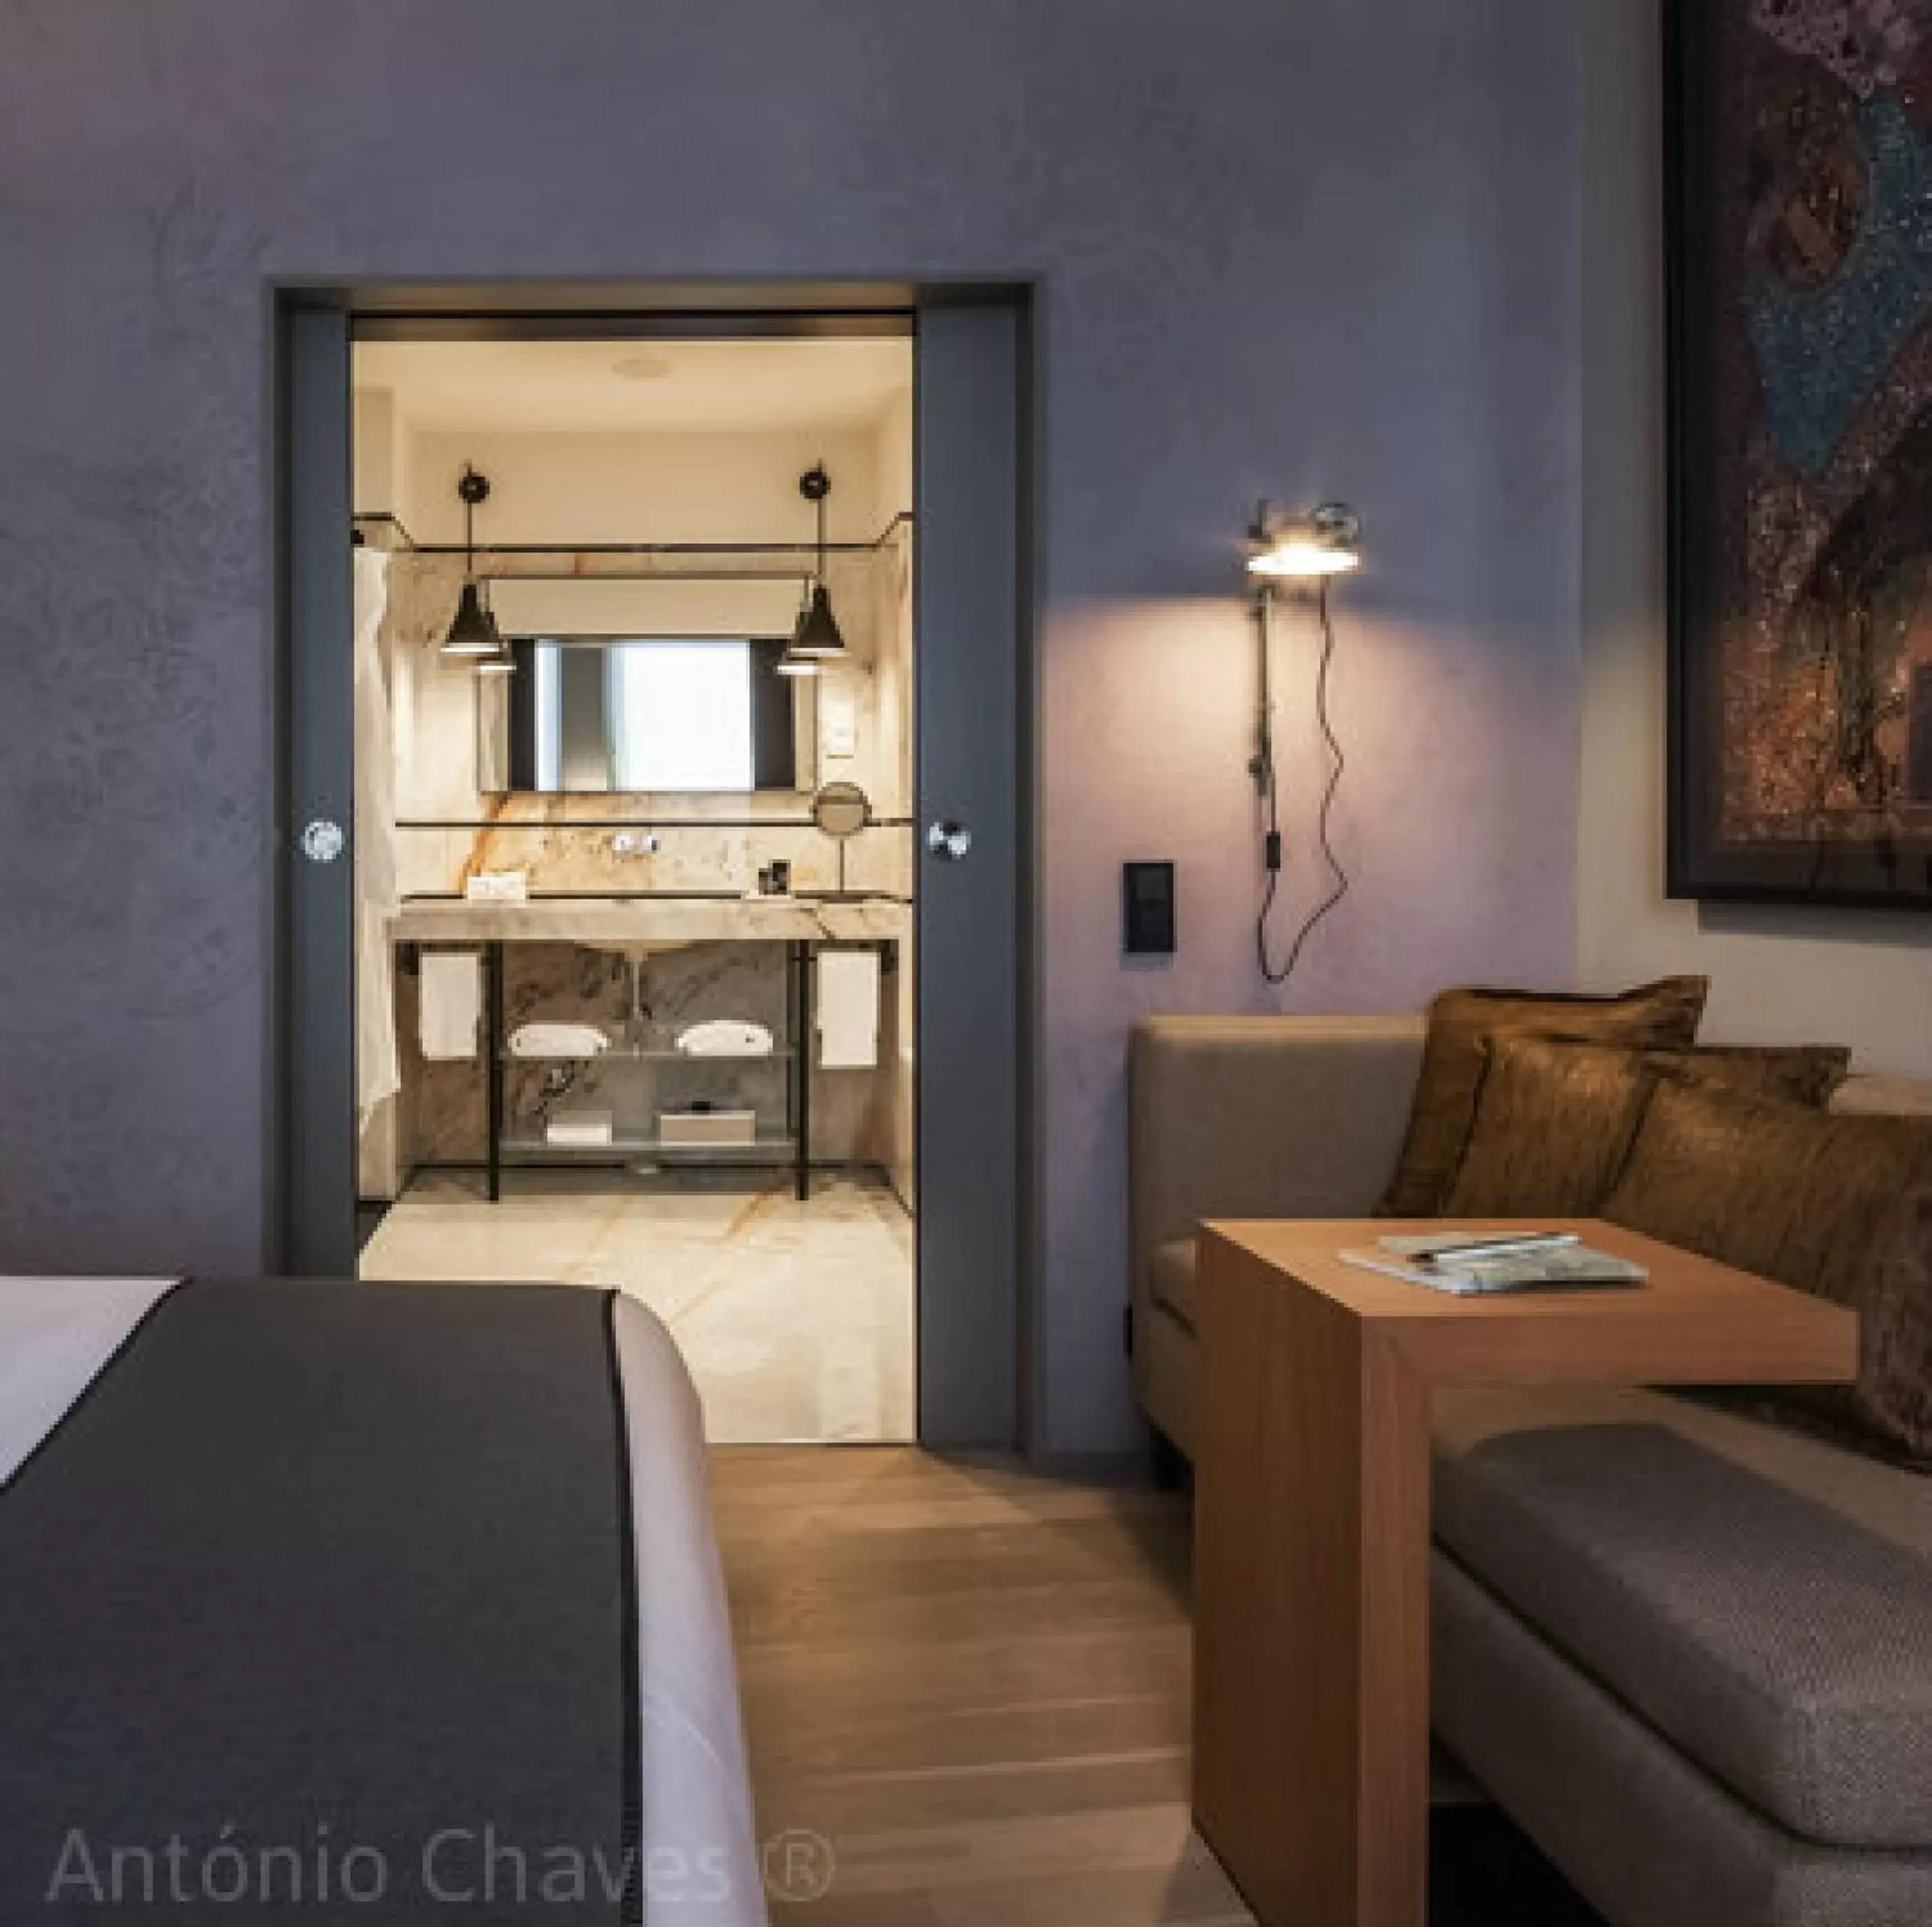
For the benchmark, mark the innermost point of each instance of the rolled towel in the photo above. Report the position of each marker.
(726, 1037)
(558, 1039)
(580, 1126)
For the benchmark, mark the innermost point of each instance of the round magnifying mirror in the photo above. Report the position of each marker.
(842, 811)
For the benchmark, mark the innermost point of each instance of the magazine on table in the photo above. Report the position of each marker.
(1469, 1264)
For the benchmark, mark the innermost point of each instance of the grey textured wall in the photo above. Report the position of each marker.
(1286, 247)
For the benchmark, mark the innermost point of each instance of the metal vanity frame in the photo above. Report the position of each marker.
(502, 1151)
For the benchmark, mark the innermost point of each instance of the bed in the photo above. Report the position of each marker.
(393, 1603)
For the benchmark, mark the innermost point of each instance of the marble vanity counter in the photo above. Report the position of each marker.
(621, 921)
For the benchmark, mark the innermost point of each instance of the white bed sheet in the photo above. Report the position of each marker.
(700, 1865)
(697, 1790)
(56, 1333)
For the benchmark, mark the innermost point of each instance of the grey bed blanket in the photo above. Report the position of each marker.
(320, 1605)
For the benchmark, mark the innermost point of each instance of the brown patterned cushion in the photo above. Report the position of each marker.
(1840, 1205)
(1554, 1119)
(1663, 1014)
(1806, 1074)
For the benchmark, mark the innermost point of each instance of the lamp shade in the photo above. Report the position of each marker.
(818, 637)
(790, 664)
(1328, 542)
(1301, 557)
(472, 630)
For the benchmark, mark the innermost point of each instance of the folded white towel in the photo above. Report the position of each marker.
(726, 1037)
(848, 1009)
(558, 1039)
(449, 1004)
(579, 1125)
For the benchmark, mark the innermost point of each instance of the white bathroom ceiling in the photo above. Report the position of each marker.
(637, 385)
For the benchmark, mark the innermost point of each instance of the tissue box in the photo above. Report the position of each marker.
(579, 1127)
(702, 1127)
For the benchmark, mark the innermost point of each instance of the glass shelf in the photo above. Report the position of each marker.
(636, 1144)
(634, 1054)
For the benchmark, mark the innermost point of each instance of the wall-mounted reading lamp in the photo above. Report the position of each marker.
(1326, 541)
(1285, 550)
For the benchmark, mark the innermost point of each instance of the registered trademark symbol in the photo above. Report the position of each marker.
(799, 1865)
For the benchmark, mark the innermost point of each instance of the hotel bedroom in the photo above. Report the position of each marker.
(770, 781)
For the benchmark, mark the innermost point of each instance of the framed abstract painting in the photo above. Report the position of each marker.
(1800, 171)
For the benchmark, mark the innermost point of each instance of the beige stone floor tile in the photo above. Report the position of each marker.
(796, 1319)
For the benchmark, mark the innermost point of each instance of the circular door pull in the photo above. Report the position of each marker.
(951, 842)
(322, 840)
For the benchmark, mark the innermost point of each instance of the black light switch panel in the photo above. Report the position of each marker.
(1147, 897)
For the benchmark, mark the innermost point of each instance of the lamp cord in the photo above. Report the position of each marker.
(469, 532)
(1339, 881)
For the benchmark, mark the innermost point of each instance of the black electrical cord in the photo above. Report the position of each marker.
(1339, 880)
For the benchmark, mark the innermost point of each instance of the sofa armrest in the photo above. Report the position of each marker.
(1263, 1117)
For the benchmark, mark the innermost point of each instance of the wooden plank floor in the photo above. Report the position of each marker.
(972, 1681)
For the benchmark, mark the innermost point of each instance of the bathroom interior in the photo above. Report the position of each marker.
(634, 852)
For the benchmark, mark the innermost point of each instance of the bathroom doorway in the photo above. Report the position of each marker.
(636, 983)
(645, 795)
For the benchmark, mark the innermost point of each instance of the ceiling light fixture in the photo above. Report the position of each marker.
(472, 632)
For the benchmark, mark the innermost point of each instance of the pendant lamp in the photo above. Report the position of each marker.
(473, 629)
(818, 638)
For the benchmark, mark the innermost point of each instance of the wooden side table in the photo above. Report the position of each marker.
(1311, 1709)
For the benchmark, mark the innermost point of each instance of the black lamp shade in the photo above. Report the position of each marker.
(472, 630)
(818, 636)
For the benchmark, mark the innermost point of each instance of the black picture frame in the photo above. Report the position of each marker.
(1888, 870)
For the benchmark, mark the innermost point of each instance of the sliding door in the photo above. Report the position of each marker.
(314, 828)
(973, 698)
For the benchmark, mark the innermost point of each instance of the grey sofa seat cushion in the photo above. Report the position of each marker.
(1172, 1277)
(1645, 1835)
(1741, 1593)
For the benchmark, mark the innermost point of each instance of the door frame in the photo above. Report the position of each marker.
(994, 1403)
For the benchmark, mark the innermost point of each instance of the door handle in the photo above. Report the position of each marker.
(322, 840)
(950, 842)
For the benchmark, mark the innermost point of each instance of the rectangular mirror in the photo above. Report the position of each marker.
(589, 715)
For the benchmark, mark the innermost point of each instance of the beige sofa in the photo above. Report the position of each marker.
(1691, 1653)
